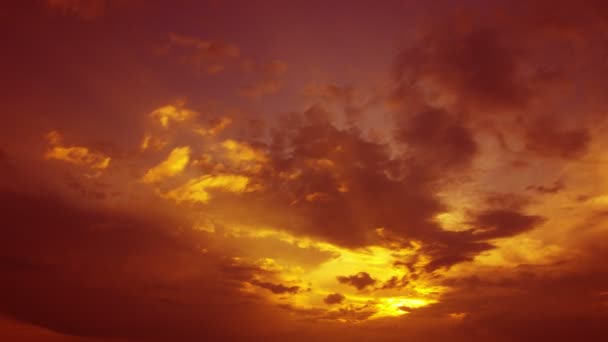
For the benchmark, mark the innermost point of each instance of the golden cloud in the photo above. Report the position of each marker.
(175, 163)
(78, 155)
(197, 190)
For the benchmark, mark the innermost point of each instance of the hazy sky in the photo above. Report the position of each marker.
(304, 170)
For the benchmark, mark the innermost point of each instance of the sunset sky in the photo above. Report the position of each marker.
(304, 170)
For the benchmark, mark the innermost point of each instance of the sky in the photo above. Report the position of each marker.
(303, 170)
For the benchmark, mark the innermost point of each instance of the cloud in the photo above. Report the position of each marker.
(489, 72)
(174, 165)
(494, 224)
(276, 288)
(173, 112)
(78, 155)
(552, 189)
(214, 126)
(360, 280)
(199, 190)
(470, 66)
(306, 219)
(438, 139)
(334, 298)
(545, 139)
(136, 272)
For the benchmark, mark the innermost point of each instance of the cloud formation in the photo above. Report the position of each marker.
(428, 171)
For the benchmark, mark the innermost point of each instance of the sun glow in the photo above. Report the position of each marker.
(390, 290)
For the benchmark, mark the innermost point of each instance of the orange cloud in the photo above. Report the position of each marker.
(176, 113)
(198, 190)
(175, 163)
(78, 155)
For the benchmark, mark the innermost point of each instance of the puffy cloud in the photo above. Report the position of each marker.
(334, 298)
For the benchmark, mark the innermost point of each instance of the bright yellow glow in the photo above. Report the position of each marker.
(452, 221)
(176, 113)
(379, 299)
(601, 200)
(397, 306)
(239, 151)
(174, 164)
(242, 156)
(196, 190)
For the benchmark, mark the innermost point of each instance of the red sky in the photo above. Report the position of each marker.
(303, 171)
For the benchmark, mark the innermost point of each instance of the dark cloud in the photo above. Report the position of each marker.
(438, 139)
(522, 305)
(545, 139)
(506, 200)
(360, 280)
(556, 187)
(450, 248)
(334, 298)
(506, 69)
(494, 224)
(333, 184)
(310, 177)
(147, 282)
(276, 288)
(471, 63)
(395, 282)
